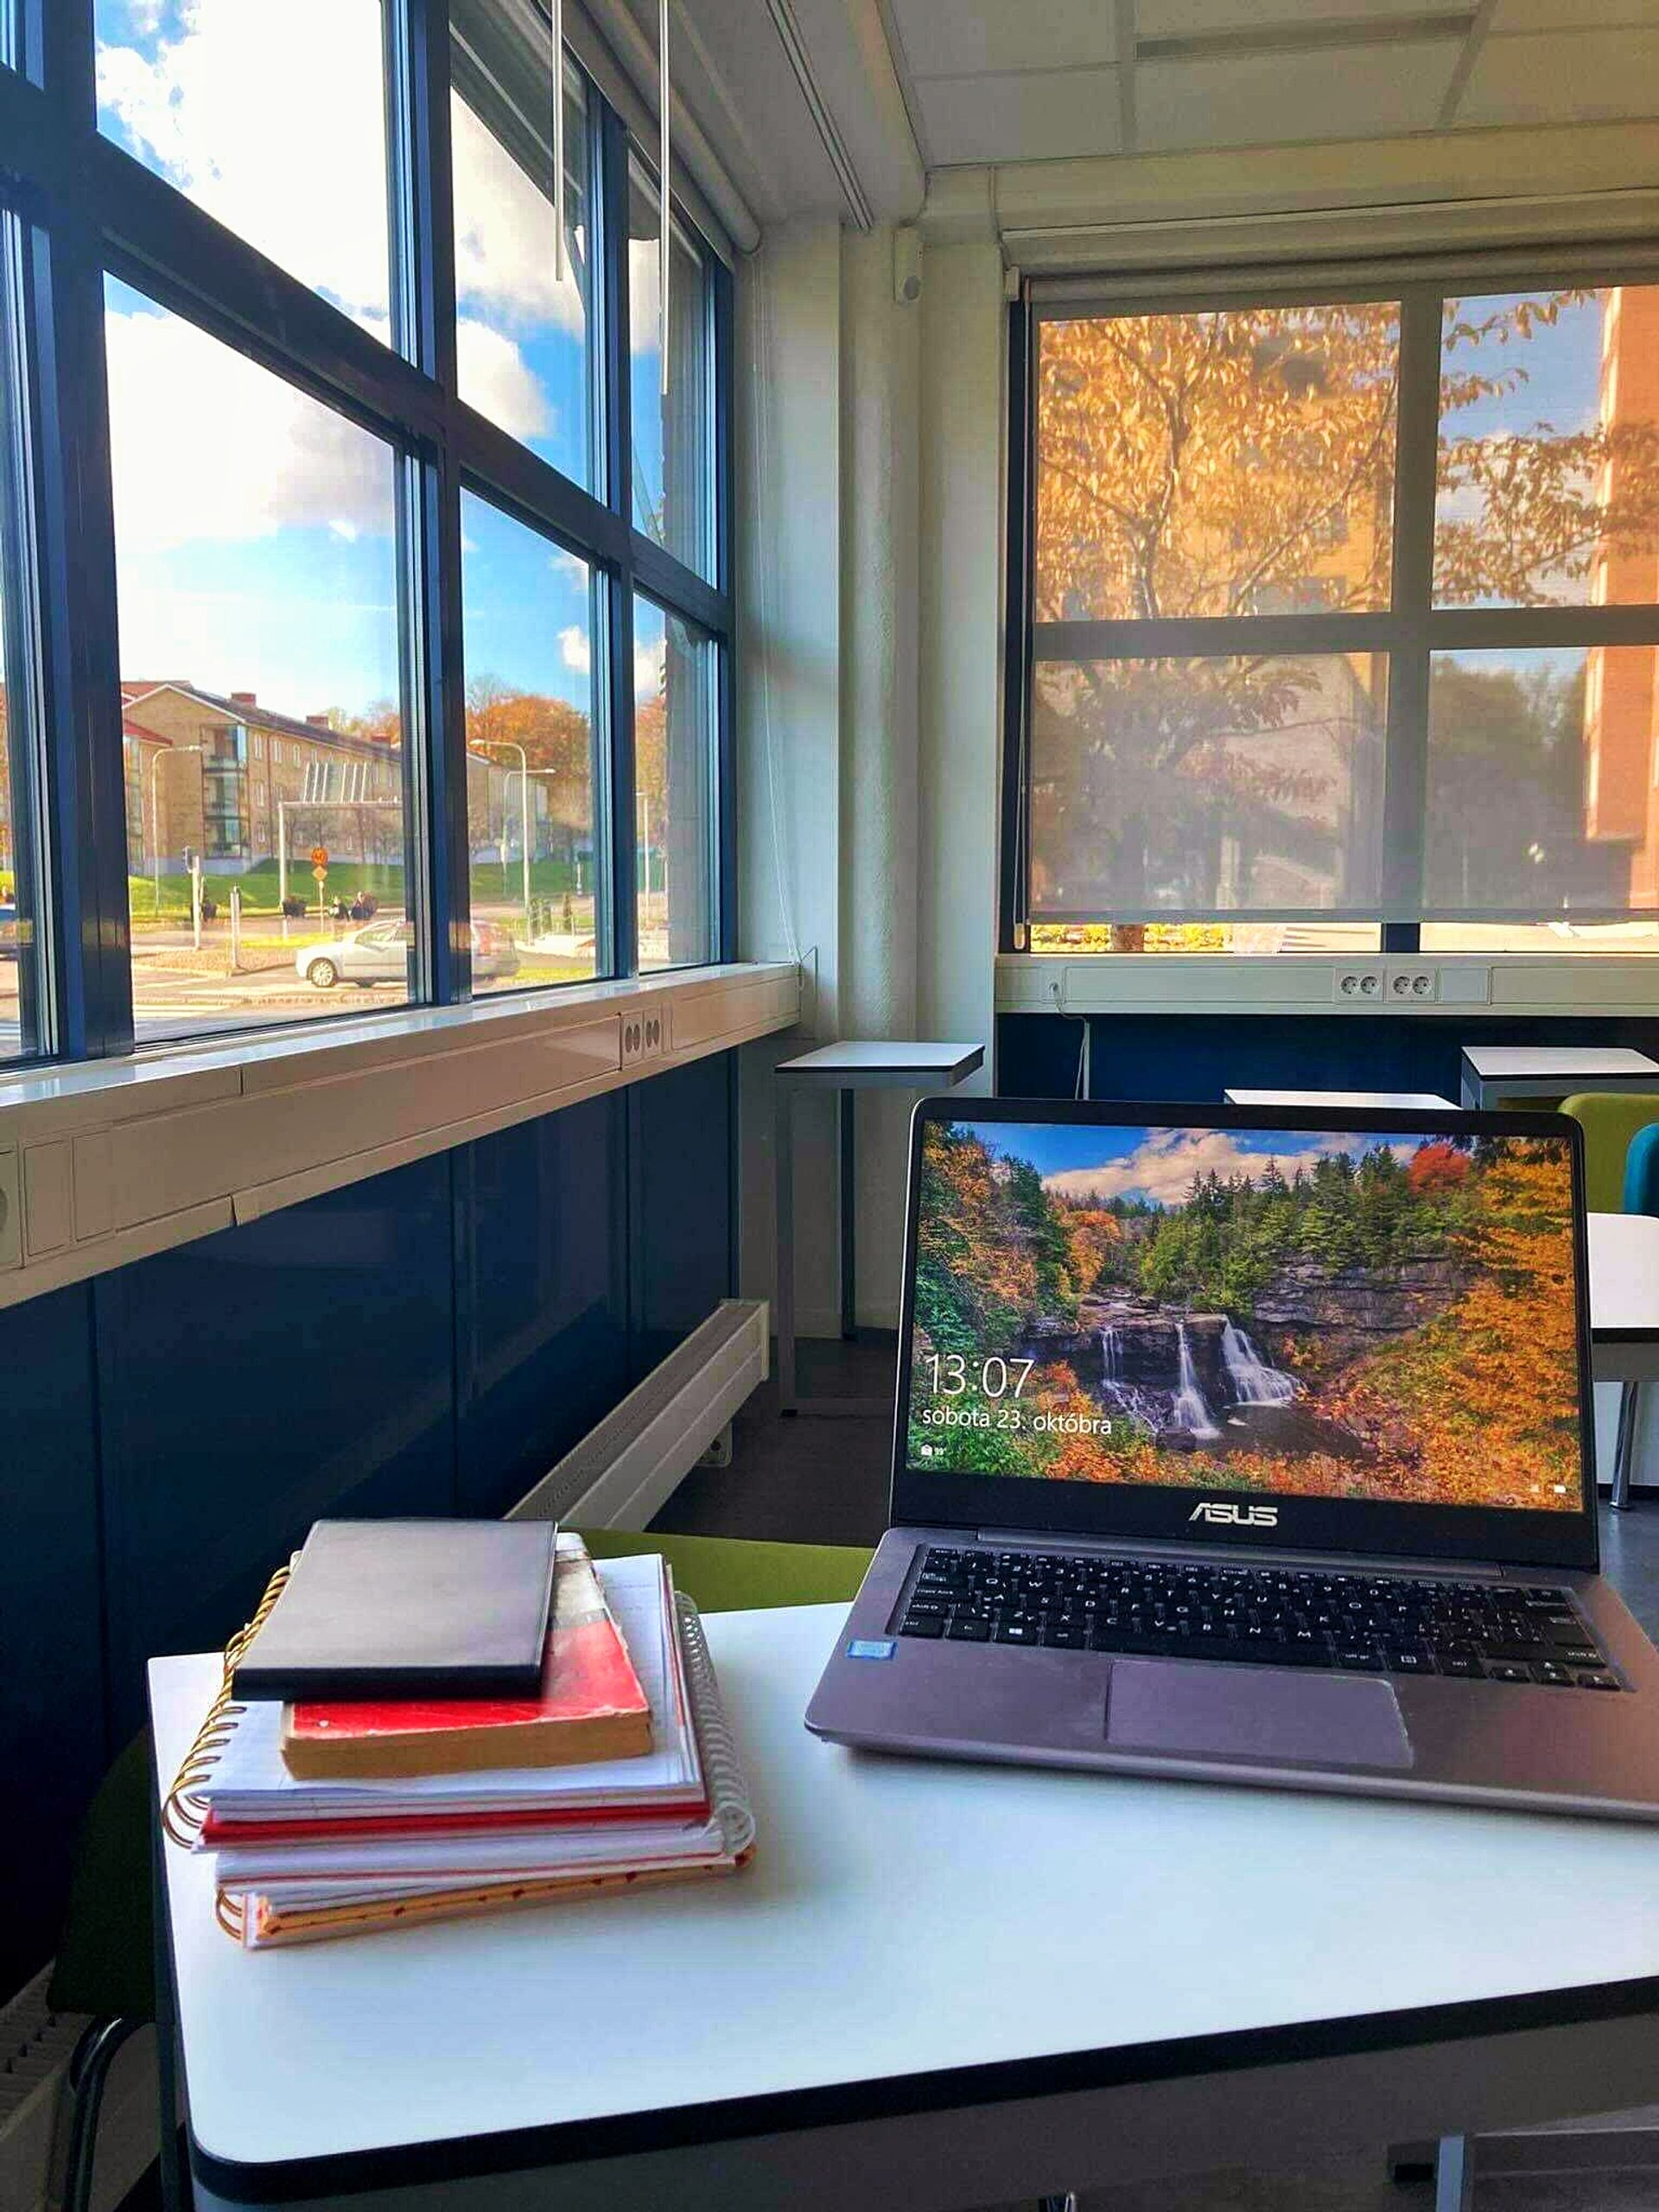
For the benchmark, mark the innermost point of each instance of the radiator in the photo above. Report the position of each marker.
(36, 2044)
(624, 1468)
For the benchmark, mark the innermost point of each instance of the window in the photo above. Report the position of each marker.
(531, 762)
(21, 948)
(272, 116)
(674, 840)
(673, 433)
(255, 547)
(1344, 614)
(523, 325)
(273, 737)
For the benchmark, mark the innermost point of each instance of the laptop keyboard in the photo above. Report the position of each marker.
(1265, 1617)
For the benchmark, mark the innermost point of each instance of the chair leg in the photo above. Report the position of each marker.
(1629, 1406)
(88, 2076)
(1454, 2174)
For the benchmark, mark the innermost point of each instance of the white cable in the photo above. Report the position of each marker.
(663, 189)
(760, 385)
(557, 20)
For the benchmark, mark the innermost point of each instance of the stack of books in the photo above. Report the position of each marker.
(332, 1815)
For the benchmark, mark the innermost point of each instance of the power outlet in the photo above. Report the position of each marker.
(1413, 986)
(12, 1211)
(1358, 986)
(642, 1036)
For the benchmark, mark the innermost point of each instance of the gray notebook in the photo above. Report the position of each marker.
(408, 1609)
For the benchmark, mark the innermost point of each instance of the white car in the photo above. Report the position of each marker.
(378, 953)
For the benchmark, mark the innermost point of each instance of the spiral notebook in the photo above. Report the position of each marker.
(286, 1881)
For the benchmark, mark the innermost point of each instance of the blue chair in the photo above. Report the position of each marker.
(1641, 1196)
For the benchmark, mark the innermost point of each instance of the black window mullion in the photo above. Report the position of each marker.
(724, 856)
(1014, 852)
(1405, 794)
(622, 933)
(86, 812)
(436, 832)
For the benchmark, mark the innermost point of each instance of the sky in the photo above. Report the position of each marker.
(254, 526)
(1160, 1164)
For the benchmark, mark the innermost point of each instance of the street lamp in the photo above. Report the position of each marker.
(508, 745)
(156, 758)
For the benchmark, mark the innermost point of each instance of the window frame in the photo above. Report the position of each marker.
(86, 206)
(1408, 632)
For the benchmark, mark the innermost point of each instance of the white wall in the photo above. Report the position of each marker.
(789, 568)
(869, 587)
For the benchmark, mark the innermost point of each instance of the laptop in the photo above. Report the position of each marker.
(1250, 1446)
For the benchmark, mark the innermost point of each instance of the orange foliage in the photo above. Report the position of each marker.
(1436, 1167)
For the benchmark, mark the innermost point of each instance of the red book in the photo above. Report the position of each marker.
(592, 1706)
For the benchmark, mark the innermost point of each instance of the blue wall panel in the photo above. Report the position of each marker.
(54, 1742)
(1197, 1057)
(682, 1237)
(427, 1342)
(301, 1366)
(542, 1342)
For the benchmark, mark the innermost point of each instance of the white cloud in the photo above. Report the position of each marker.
(650, 664)
(496, 378)
(285, 149)
(574, 650)
(1162, 1169)
(503, 234)
(570, 566)
(644, 307)
(205, 444)
(238, 111)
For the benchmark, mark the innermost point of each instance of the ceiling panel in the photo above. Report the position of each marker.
(1580, 76)
(949, 38)
(1194, 18)
(1570, 15)
(1044, 116)
(1284, 99)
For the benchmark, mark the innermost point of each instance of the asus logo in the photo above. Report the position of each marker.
(1237, 1517)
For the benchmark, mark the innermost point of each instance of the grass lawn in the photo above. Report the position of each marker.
(491, 886)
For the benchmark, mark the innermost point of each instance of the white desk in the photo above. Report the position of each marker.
(1496, 1071)
(937, 1987)
(1624, 1296)
(851, 1065)
(1408, 1101)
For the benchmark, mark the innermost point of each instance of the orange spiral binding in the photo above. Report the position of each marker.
(184, 1811)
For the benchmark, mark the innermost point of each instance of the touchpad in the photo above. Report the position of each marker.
(1256, 1713)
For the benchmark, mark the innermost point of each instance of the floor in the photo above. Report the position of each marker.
(823, 1480)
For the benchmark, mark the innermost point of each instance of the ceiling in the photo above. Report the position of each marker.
(988, 82)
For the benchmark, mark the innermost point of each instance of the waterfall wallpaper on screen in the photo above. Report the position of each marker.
(1319, 1313)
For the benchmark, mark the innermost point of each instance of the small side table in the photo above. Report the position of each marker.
(1493, 1073)
(845, 1068)
(1406, 1100)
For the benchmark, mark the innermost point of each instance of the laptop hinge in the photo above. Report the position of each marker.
(1461, 1570)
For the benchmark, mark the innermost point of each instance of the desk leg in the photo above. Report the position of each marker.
(847, 1200)
(1624, 1445)
(1454, 2174)
(782, 1138)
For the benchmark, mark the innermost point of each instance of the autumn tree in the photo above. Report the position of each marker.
(556, 739)
(1240, 462)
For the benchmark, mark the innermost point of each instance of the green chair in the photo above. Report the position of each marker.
(723, 1574)
(106, 1962)
(1619, 1176)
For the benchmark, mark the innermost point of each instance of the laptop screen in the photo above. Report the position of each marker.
(1384, 1316)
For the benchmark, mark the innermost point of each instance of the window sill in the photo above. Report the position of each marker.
(1311, 984)
(103, 1162)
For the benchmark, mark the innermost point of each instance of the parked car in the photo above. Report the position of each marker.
(380, 954)
(7, 929)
